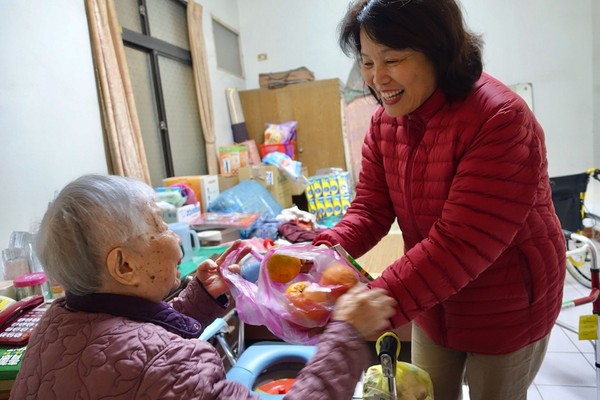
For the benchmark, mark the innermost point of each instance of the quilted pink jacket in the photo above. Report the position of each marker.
(83, 355)
(484, 261)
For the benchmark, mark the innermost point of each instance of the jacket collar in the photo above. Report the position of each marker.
(138, 309)
(430, 107)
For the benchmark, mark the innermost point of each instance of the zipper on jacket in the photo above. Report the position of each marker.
(409, 167)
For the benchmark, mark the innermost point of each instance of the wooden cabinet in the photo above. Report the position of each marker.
(317, 106)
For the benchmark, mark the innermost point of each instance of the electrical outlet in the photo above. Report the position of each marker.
(262, 56)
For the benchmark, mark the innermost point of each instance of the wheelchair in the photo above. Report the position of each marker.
(267, 368)
(568, 196)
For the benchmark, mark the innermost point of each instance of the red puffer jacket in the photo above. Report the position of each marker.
(484, 259)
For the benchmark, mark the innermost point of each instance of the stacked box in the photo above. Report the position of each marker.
(271, 178)
(328, 195)
(227, 181)
(205, 187)
(298, 187)
(209, 187)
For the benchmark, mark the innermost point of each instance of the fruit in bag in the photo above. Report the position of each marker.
(283, 268)
(309, 302)
(340, 277)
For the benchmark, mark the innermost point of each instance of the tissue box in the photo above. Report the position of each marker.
(272, 179)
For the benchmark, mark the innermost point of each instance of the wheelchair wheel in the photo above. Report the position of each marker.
(579, 266)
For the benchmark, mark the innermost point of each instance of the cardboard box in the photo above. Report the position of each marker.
(209, 190)
(226, 182)
(272, 179)
(193, 181)
(297, 188)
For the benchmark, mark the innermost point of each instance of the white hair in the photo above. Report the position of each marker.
(89, 217)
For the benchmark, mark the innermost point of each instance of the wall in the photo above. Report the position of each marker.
(292, 34)
(226, 12)
(547, 43)
(51, 129)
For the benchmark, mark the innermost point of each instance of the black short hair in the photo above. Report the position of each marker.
(433, 27)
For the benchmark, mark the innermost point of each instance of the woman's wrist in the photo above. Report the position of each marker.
(218, 297)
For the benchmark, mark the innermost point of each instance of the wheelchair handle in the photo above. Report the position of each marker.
(388, 349)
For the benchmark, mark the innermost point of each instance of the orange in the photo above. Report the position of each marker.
(308, 303)
(340, 276)
(283, 268)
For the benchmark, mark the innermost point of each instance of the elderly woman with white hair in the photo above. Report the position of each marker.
(113, 336)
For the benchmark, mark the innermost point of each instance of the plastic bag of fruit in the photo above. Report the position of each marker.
(296, 290)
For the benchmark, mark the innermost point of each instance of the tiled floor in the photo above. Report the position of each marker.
(568, 370)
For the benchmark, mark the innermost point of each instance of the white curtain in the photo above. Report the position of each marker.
(119, 116)
(202, 83)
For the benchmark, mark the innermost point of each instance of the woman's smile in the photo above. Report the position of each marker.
(403, 79)
(391, 97)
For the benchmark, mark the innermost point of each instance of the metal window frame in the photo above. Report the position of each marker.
(157, 48)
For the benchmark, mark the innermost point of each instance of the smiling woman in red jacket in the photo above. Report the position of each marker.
(460, 161)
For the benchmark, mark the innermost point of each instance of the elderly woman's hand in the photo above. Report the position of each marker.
(368, 310)
(208, 271)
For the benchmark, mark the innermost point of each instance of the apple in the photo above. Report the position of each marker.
(339, 277)
(309, 303)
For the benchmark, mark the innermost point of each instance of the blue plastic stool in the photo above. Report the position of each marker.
(260, 356)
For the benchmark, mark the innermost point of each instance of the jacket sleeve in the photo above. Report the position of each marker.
(192, 369)
(492, 194)
(371, 213)
(194, 301)
(336, 367)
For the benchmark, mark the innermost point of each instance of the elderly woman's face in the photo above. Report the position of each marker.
(157, 255)
(403, 79)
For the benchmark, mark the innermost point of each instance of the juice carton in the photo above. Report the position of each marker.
(328, 206)
(337, 205)
(325, 186)
(316, 186)
(320, 205)
(345, 202)
(333, 184)
(343, 184)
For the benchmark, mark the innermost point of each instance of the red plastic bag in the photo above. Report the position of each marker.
(295, 292)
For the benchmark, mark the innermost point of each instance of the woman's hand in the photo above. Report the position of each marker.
(368, 310)
(208, 271)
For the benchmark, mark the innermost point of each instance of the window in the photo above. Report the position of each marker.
(155, 36)
(227, 48)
